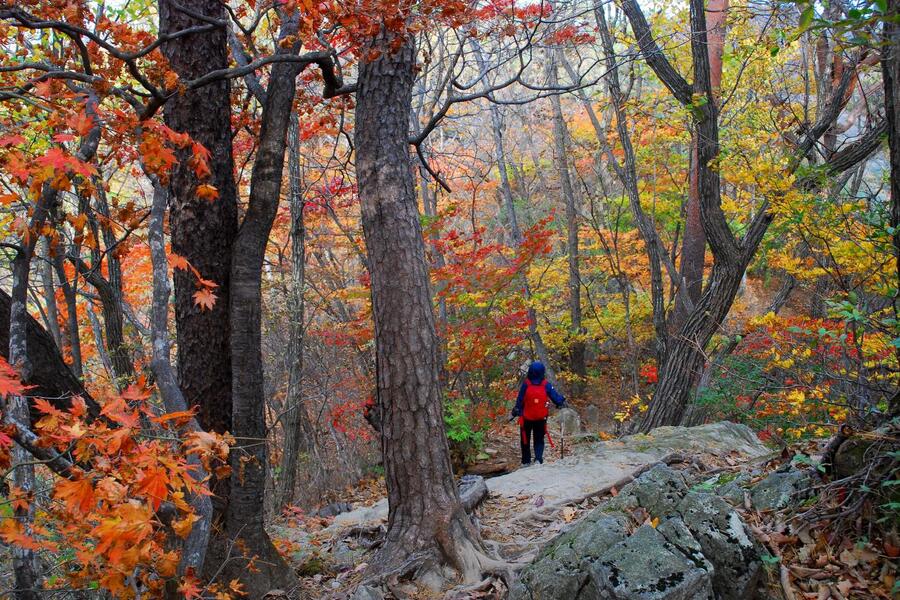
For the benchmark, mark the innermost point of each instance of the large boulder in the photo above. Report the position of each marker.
(726, 543)
(699, 549)
(646, 566)
(561, 569)
(658, 490)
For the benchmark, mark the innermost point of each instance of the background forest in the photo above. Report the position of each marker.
(367, 216)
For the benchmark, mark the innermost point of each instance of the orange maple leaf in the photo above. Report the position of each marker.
(178, 262)
(9, 380)
(78, 495)
(153, 485)
(205, 299)
(207, 192)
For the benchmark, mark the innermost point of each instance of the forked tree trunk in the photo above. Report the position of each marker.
(425, 513)
(244, 517)
(685, 353)
(693, 246)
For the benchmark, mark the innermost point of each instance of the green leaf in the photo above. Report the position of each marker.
(882, 5)
(806, 16)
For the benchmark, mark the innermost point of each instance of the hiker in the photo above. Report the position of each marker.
(532, 409)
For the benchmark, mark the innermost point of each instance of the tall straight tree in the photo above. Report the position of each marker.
(890, 73)
(560, 157)
(425, 514)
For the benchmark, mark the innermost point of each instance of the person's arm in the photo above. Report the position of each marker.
(557, 398)
(517, 411)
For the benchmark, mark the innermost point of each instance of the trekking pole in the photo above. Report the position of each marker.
(562, 440)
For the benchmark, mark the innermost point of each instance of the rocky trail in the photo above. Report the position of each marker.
(524, 511)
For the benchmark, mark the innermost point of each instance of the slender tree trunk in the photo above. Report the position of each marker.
(69, 294)
(113, 321)
(27, 579)
(50, 294)
(299, 437)
(560, 156)
(509, 206)
(244, 516)
(425, 513)
(890, 71)
(193, 551)
(627, 174)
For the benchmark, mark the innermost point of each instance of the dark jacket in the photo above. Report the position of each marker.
(536, 373)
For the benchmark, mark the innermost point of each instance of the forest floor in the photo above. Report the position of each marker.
(529, 506)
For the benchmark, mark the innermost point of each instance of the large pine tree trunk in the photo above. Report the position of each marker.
(202, 231)
(425, 513)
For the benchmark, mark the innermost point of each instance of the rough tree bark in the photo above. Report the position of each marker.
(202, 231)
(560, 157)
(425, 516)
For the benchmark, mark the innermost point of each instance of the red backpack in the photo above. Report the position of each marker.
(534, 405)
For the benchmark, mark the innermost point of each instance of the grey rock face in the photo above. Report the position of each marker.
(659, 490)
(647, 567)
(561, 568)
(726, 543)
(700, 549)
(778, 489)
(365, 592)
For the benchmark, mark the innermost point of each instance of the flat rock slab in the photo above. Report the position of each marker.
(593, 467)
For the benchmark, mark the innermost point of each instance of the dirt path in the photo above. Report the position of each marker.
(529, 506)
(593, 467)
